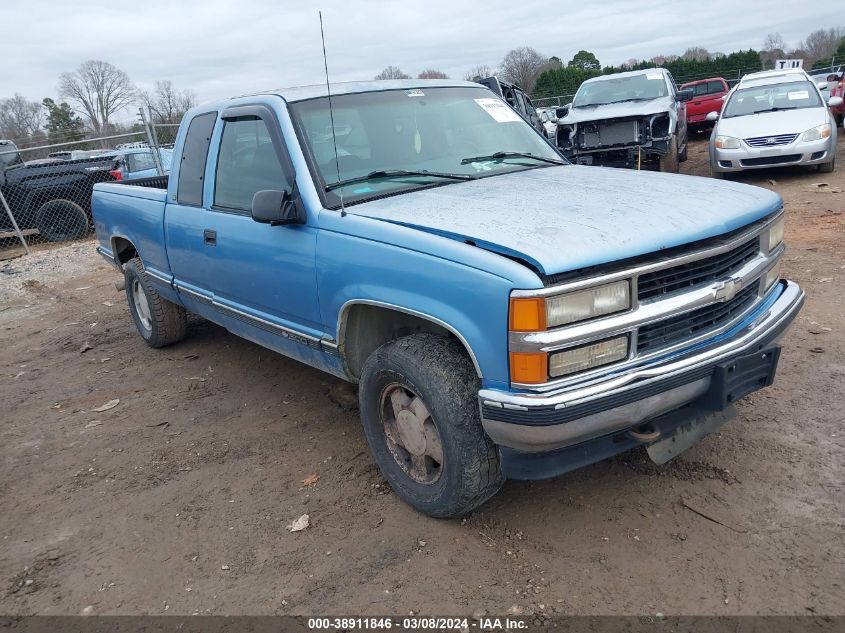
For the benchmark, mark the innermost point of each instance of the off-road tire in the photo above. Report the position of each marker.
(439, 371)
(168, 321)
(670, 163)
(826, 168)
(61, 221)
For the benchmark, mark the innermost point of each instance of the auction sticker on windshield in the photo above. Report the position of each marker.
(653, 76)
(799, 95)
(499, 110)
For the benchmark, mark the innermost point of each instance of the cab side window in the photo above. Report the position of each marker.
(247, 163)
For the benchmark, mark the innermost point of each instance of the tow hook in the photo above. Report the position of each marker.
(644, 433)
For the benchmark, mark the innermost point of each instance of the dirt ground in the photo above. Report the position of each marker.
(177, 499)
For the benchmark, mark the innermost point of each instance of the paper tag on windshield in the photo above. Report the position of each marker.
(799, 95)
(653, 76)
(498, 109)
(416, 92)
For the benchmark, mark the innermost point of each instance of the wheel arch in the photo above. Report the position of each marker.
(122, 249)
(365, 324)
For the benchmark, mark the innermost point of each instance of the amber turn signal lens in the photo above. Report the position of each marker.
(527, 315)
(530, 368)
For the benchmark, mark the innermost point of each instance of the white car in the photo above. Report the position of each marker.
(773, 119)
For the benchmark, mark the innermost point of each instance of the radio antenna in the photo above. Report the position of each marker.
(331, 113)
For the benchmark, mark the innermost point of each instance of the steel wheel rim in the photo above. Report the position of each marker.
(142, 306)
(411, 434)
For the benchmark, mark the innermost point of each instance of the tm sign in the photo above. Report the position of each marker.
(782, 64)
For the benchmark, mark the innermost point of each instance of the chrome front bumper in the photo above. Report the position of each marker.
(542, 422)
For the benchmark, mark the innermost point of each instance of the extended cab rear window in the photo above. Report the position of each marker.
(708, 88)
(194, 156)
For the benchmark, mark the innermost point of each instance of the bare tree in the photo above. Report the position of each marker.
(97, 90)
(774, 47)
(20, 119)
(774, 42)
(522, 65)
(391, 72)
(696, 53)
(478, 72)
(821, 44)
(166, 103)
(432, 74)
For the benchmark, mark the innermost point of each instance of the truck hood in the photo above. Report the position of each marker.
(564, 218)
(617, 110)
(772, 123)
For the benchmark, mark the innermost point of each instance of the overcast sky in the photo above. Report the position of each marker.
(220, 48)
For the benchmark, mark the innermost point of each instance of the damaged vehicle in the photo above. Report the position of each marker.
(504, 314)
(634, 119)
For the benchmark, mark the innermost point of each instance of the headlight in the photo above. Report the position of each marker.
(534, 314)
(588, 356)
(772, 276)
(727, 142)
(816, 133)
(776, 234)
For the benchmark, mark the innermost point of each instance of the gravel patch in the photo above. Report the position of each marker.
(47, 266)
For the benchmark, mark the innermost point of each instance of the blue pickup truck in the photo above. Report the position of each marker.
(504, 314)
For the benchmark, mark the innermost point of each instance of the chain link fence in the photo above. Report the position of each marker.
(45, 191)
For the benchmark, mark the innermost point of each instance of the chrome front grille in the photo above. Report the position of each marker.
(667, 280)
(771, 141)
(682, 297)
(674, 329)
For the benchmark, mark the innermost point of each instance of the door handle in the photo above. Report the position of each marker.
(209, 237)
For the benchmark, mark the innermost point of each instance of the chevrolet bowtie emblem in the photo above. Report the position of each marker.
(727, 290)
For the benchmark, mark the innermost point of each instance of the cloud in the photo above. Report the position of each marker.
(220, 48)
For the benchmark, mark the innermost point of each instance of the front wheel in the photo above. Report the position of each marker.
(670, 162)
(826, 168)
(419, 408)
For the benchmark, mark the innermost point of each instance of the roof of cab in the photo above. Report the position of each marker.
(629, 73)
(767, 77)
(301, 93)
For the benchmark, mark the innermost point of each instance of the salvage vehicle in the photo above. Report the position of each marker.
(9, 154)
(139, 162)
(838, 111)
(708, 95)
(505, 314)
(516, 98)
(774, 118)
(628, 119)
(53, 196)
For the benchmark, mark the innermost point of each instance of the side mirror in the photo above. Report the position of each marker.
(276, 207)
(685, 94)
(835, 102)
(712, 116)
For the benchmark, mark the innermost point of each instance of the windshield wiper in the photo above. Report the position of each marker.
(775, 109)
(396, 173)
(499, 156)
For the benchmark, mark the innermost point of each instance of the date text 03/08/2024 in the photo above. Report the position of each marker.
(485, 623)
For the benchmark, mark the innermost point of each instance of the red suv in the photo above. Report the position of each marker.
(708, 96)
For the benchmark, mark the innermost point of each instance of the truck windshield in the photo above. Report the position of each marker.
(772, 98)
(429, 133)
(642, 87)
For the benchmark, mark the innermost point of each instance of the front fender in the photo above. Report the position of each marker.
(462, 288)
